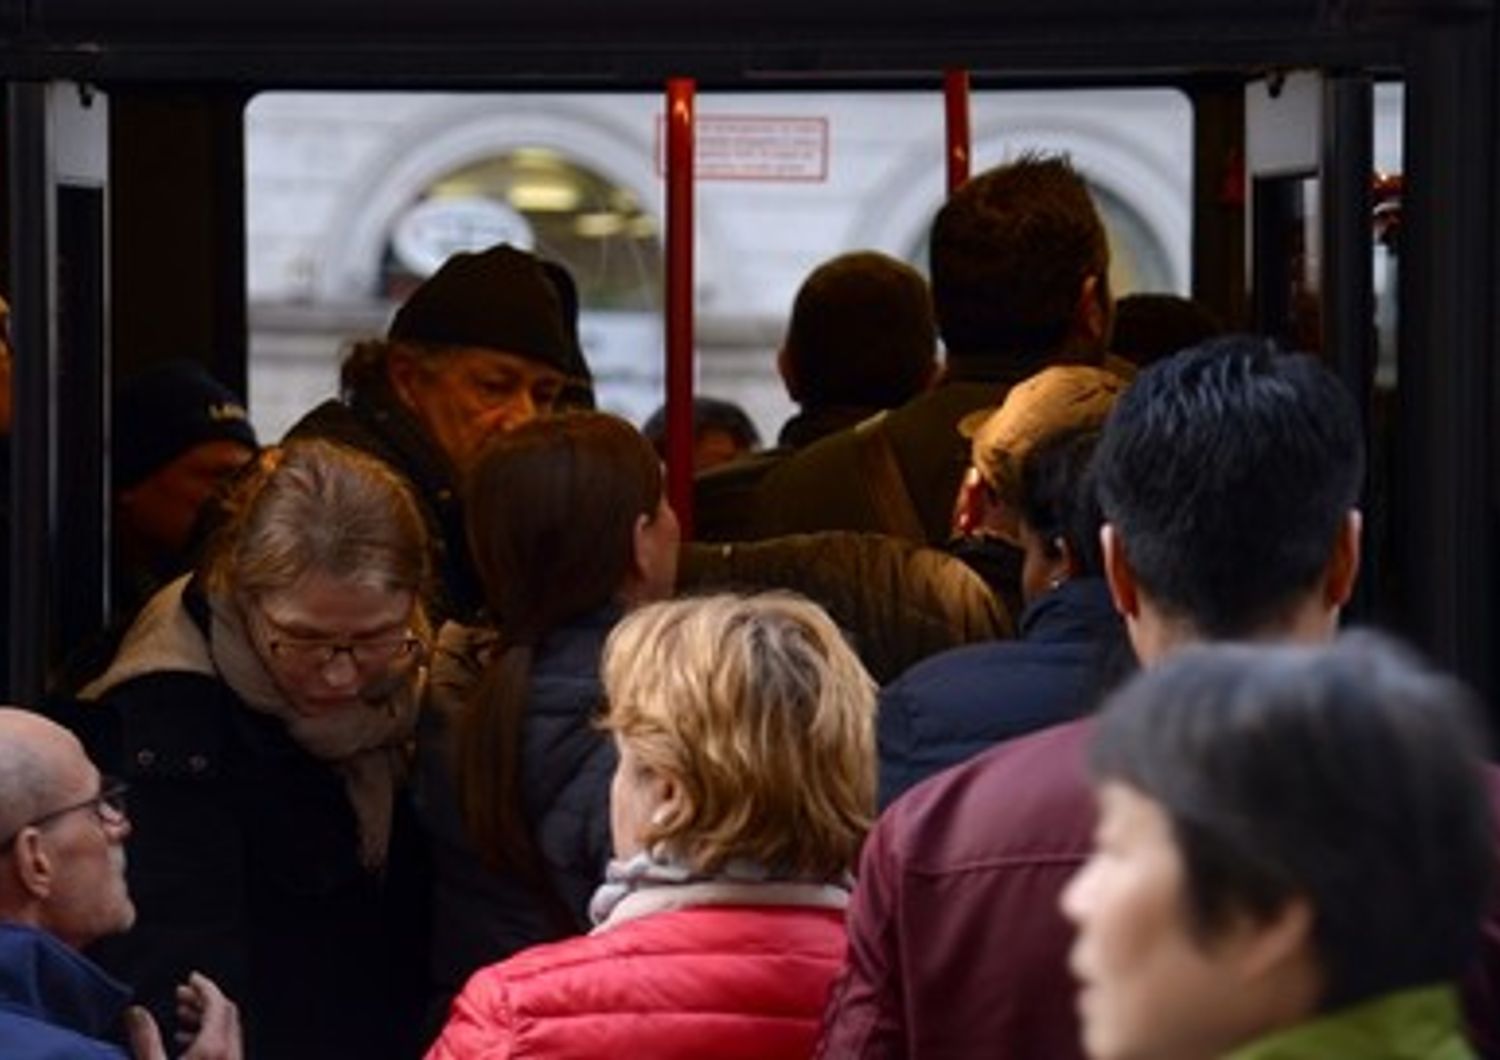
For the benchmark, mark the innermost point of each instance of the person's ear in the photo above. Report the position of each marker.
(1123, 589)
(1343, 563)
(931, 373)
(1091, 315)
(1072, 565)
(667, 795)
(647, 547)
(968, 506)
(640, 549)
(1268, 948)
(788, 372)
(34, 867)
(401, 371)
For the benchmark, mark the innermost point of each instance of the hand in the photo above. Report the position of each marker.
(145, 1038)
(209, 1021)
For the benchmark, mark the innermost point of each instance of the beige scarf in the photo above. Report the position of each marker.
(367, 745)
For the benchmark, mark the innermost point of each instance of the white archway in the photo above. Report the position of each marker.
(1118, 151)
(613, 137)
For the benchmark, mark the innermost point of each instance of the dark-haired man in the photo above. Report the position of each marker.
(861, 338)
(484, 345)
(1020, 264)
(1228, 477)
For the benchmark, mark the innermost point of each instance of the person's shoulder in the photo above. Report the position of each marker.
(996, 678)
(1026, 795)
(945, 403)
(460, 654)
(605, 970)
(724, 496)
(962, 665)
(336, 420)
(329, 419)
(24, 1037)
(812, 461)
(735, 930)
(49, 995)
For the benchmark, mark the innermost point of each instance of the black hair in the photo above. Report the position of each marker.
(1150, 326)
(709, 414)
(1349, 776)
(861, 332)
(1010, 252)
(1228, 471)
(1058, 499)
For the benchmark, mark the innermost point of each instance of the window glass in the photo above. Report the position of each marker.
(354, 197)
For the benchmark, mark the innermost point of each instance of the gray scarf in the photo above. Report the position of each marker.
(656, 883)
(366, 745)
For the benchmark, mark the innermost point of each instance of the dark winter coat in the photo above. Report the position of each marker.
(244, 862)
(828, 487)
(724, 496)
(374, 421)
(900, 602)
(954, 705)
(481, 915)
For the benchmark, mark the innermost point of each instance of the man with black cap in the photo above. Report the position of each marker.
(178, 436)
(481, 347)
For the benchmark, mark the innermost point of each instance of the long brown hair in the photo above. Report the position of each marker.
(552, 508)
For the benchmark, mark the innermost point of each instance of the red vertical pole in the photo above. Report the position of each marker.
(680, 158)
(956, 108)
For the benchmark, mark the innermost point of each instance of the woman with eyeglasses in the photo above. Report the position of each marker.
(263, 711)
(570, 528)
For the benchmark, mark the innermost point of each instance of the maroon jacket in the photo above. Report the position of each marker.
(956, 945)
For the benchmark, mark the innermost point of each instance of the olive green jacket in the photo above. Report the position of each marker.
(1422, 1024)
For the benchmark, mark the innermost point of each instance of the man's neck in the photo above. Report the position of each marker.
(1156, 636)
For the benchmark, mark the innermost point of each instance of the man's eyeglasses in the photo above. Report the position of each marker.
(316, 653)
(108, 806)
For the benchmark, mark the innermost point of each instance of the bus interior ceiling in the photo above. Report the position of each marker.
(177, 74)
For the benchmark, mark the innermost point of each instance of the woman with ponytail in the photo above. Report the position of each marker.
(569, 528)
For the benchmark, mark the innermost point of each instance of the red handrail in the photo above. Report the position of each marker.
(956, 109)
(680, 119)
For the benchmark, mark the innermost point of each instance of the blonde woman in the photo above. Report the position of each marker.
(262, 711)
(745, 784)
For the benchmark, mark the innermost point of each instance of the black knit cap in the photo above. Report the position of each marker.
(166, 410)
(498, 299)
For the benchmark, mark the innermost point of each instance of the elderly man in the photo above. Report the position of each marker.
(62, 886)
(484, 345)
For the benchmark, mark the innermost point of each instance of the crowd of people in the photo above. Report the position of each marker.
(1006, 713)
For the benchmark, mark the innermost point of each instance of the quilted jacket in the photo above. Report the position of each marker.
(729, 982)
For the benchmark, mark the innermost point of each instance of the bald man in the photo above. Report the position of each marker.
(62, 886)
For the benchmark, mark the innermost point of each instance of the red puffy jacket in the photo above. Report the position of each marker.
(720, 981)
